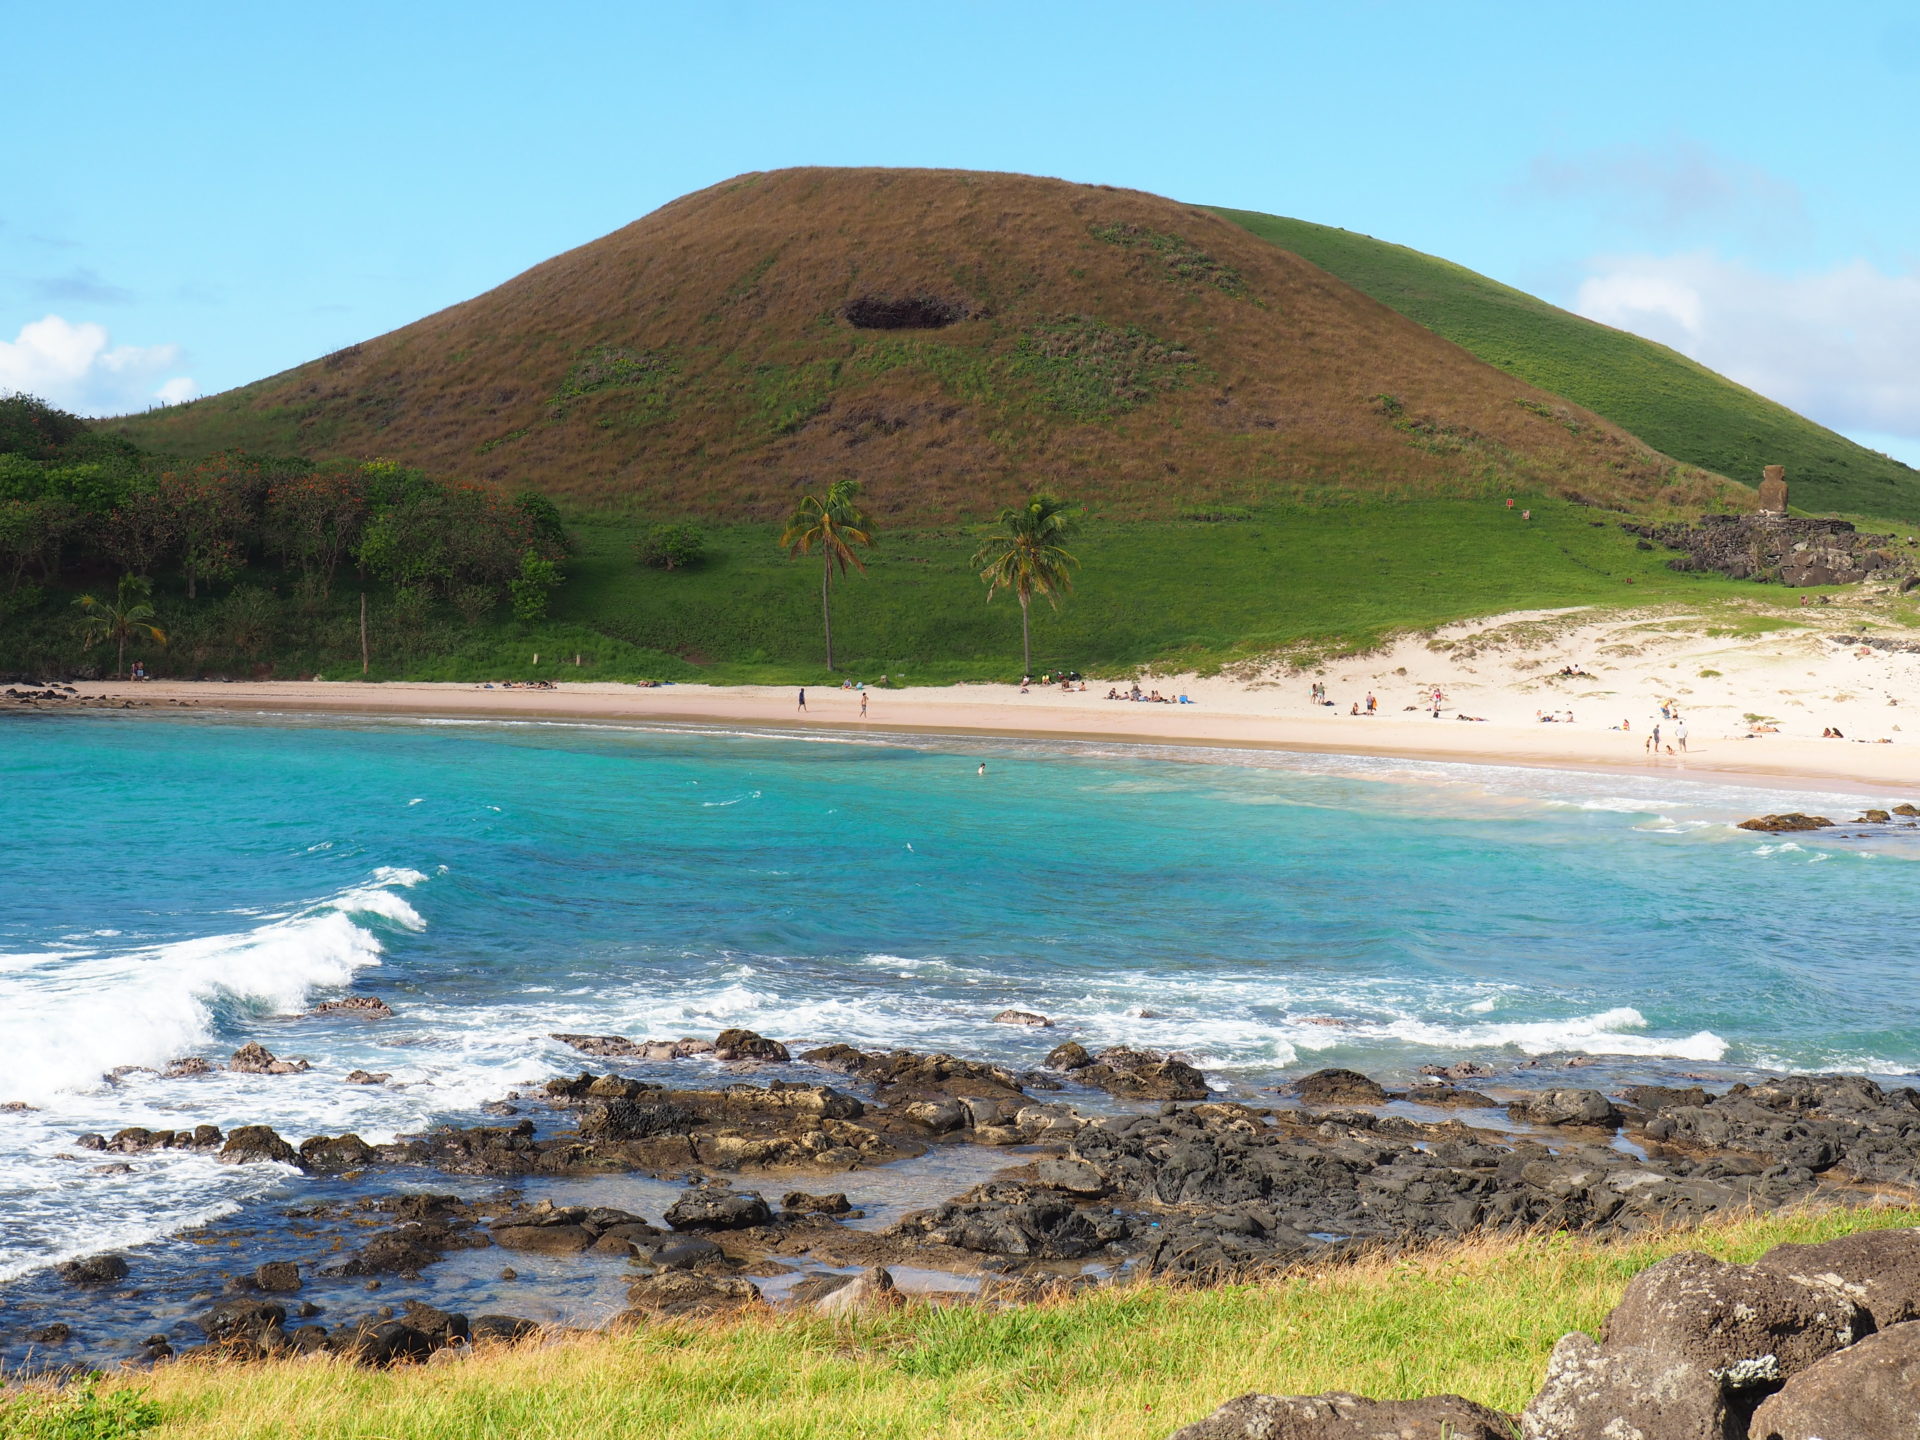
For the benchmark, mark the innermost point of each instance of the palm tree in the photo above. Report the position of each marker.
(833, 524)
(130, 616)
(1027, 558)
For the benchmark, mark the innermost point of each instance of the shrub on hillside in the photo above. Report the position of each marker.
(534, 585)
(672, 546)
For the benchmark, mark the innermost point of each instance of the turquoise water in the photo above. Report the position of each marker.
(179, 886)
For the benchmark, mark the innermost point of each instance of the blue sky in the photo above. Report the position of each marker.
(204, 194)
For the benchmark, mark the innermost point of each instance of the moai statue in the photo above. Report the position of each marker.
(1773, 491)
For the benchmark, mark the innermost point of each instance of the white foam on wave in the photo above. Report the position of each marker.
(66, 1022)
(1610, 1032)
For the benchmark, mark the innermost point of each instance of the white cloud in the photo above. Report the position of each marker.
(1671, 189)
(78, 368)
(1841, 346)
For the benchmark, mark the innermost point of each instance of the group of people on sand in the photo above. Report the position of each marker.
(1135, 693)
(1069, 682)
(844, 685)
(1435, 701)
(1676, 742)
(1574, 672)
(1554, 717)
(533, 685)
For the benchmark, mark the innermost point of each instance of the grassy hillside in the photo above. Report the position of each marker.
(951, 339)
(1674, 404)
(1125, 1364)
(1328, 575)
(1179, 593)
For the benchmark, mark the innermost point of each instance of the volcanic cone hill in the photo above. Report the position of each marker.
(949, 338)
(1660, 395)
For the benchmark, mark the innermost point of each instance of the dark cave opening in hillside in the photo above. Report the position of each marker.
(902, 312)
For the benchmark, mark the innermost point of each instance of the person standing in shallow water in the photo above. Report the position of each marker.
(983, 767)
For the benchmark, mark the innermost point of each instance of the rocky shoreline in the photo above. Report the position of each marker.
(1810, 1342)
(784, 1184)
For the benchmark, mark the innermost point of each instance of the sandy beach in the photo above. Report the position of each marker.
(1755, 705)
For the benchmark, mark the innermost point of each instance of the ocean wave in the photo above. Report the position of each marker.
(67, 1023)
(1610, 1032)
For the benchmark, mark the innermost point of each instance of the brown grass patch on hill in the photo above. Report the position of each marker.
(949, 338)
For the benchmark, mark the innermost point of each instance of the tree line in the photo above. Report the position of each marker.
(78, 507)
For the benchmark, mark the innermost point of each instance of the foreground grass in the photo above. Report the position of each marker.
(1127, 1364)
(1671, 402)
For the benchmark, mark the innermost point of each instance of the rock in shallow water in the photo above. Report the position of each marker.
(1070, 1055)
(253, 1058)
(1567, 1107)
(718, 1210)
(745, 1045)
(873, 1290)
(1143, 1075)
(1788, 823)
(679, 1293)
(93, 1270)
(277, 1277)
(366, 1007)
(1023, 1017)
(1338, 1087)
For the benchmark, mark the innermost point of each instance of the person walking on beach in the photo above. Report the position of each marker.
(803, 701)
(1680, 735)
(863, 704)
(1653, 740)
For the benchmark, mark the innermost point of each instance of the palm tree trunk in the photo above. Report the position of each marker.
(121, 672)
(1026, 638)
(826, 610)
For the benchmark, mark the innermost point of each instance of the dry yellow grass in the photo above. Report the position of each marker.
(1476, 1318)
(1136, 353)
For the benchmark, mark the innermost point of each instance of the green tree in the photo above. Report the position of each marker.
(1027, 557)
(672, 545)
(130, 616)
(543, 518)
(833, 524)
(315, 519)
(533, 586)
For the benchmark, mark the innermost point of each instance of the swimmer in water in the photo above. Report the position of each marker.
(983, 767)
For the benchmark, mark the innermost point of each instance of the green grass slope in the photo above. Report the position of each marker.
(1319, 577)
(1674, 404)
(1308, 577)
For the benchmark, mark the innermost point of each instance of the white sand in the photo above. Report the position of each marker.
(1502, 668)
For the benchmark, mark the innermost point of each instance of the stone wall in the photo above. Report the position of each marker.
(1778, 549)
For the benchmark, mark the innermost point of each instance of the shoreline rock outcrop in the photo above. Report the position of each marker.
(1697, 1349)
